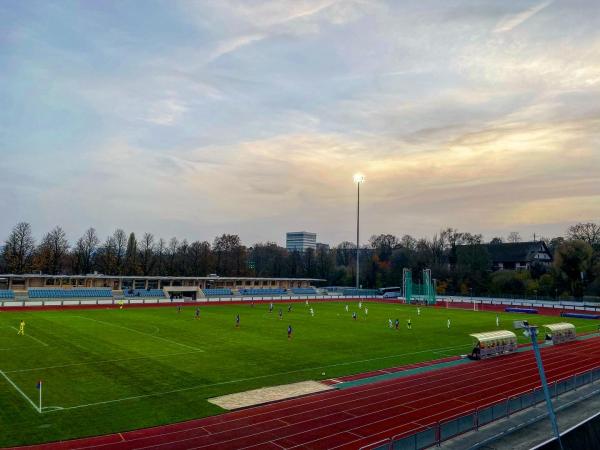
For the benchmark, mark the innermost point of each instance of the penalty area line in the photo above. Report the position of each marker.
(259, 377)
(13, 384)
(141, 332)
(34, 338)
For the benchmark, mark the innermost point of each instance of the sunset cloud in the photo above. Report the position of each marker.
(251, 118)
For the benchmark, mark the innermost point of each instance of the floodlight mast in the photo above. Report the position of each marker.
(532, 331)
(358, 179)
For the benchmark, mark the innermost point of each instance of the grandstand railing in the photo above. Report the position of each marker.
(471, 420)
(41, 302)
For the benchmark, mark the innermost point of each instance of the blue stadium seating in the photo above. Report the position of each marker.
(69, 293)
(143, 293)
(7, 294)
(304, 291)
(217, 292)
(267, 292)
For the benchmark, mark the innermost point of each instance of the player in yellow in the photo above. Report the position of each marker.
(21, 328)
(121, 302)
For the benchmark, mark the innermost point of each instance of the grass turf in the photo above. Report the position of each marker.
(114, 370)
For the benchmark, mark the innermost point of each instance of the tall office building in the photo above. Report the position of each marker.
(300, 241)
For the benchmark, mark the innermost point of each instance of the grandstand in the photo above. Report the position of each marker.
(217, 292)
(69, 293)
(304, 291)
(264, 292)
(21, 283)
(144, 293)
(9, 294)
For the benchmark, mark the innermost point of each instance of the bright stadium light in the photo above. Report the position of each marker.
(359, 178)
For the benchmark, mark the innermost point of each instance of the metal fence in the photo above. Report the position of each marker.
(472, 420)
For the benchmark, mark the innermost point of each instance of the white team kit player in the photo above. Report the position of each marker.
(359, 305)
(497, 320)
(448, 323)
(346, 308)
(312, 312)
(390, 323)
(418, 311)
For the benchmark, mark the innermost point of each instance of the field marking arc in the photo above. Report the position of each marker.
(143, 333)
(239, 380)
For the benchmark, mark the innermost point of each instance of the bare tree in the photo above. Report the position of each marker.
(172, 256)
(51, 253)
(147, 253)
(106, 259)
(120, 242)
(19, 248)
(85, 250)
(160, 253)
(409, 242)
(514, 237)
(131, 263)
(586, 232)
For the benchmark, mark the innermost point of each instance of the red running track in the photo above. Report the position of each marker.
(351, 418)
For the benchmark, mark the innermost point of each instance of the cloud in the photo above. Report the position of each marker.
(231, 45)
(511, 22)
(251, 117)
(165, 112)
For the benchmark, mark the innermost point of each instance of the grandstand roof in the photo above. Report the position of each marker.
(157, 277)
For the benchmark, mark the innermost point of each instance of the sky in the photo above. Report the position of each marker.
(197, 118)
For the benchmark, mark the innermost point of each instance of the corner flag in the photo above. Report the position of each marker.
(39, 388)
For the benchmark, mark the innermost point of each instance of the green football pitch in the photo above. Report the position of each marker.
(109, 370)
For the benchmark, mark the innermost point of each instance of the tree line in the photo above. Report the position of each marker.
(457, 260)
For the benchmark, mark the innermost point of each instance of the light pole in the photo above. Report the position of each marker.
(358, 179)
(532, 331)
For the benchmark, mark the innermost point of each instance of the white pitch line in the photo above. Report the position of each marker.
(143, 333)
(34, 338)
(15, 348)
(239, 380)
(103, 361)
(20, 391)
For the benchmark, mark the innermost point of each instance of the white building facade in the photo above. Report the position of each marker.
(300, 241)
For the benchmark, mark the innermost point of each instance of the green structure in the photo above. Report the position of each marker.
(418, 293)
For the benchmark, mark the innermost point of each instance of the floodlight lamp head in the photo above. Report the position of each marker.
(359, 178)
